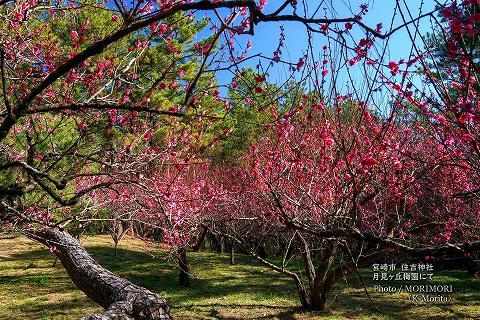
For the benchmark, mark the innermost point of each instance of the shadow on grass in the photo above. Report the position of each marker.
(218, 289)
(213, 277)
(282, 313)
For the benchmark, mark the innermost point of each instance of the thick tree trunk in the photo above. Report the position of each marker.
(319, 294)
(200, 239)
(318, 301)
(184, 276)
(121, 299)
(261, 251)
(473, 267)
(214, 242)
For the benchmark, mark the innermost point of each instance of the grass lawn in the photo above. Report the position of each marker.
(31, 288)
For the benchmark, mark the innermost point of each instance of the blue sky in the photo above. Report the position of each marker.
(380, 11)
(266, 36)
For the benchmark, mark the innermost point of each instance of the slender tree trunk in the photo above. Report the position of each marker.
(232, 253)
(121, 299)
(184, 276)
(302, 293)
(116, 247)
(289, 253)
(54, 264)
(223, 244)
(117, 233)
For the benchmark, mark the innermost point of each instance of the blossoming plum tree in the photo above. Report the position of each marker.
(344, 187)
(94, 94)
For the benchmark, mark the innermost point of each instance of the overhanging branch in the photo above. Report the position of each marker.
(102, 106)
(387, 242)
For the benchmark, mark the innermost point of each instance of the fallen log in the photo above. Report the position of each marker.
(121, 299)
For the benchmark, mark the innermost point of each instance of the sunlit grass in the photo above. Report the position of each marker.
(32, 288)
